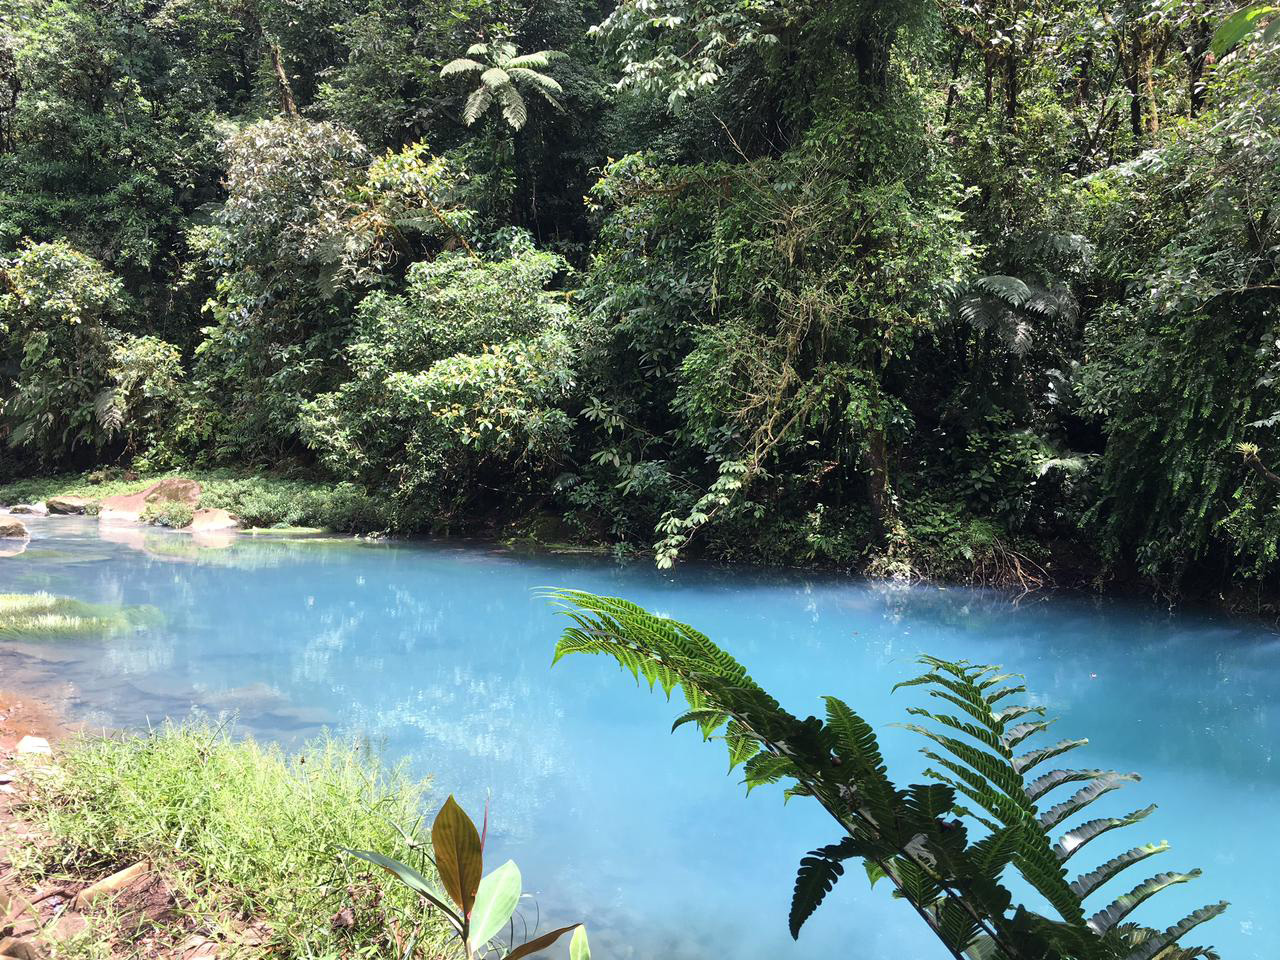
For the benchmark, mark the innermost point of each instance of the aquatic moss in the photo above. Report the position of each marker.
(32, 615)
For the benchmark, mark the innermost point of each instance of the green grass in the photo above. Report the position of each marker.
(262, 501)
(244, 832)
(34, 615)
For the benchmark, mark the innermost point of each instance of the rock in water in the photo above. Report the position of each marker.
(11, 529)
(128, 507)
(174, 488)
(29, 509)
(67, 505)
(212, 520)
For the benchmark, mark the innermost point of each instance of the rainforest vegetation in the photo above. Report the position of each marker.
(970, 289)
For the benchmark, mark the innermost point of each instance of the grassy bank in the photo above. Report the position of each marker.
(244, 834)
(259, 500)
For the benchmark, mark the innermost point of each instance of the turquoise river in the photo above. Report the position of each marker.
(441, 653)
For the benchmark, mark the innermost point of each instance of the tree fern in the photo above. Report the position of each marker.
(500, 78)
(917, 838)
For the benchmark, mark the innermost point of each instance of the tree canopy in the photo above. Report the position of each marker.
(967, 289)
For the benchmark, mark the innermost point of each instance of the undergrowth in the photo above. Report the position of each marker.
(245, 833)
(259, 500)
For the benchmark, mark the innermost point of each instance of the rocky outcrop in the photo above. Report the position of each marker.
(128, 507)
(29, 509)
(11, 529)
(212, 520)
(174, 488)
(67, 505)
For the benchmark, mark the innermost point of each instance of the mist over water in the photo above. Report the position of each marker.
(440, 654)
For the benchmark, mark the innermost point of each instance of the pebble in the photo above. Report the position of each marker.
(29, 744)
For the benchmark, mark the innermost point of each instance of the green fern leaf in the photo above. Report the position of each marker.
(1048, 782)
(1034, 758)
(1122, 906)
(766, 767)
(1087, 883)
(818, 873)
(1073, 840)
(1085, 796)
(1156, 944)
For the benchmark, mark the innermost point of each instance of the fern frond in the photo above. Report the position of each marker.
(1033, 758)
(538, 60)
(818, 873)
(1085, 796)
(855, 743)
(766, 767)
(461, 65)
(1073, 840)
(1157, 943)
(540, 80)
(478, 102)
(514, 110)
(1011, 290)
(1050, 781)
(1087, 883)
(1122, 906)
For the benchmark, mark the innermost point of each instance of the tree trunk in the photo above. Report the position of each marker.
(287, 105)
(1132, 81)
(875, 460)
(1011, 86)
(956, 60)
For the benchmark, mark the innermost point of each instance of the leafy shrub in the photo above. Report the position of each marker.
(276, 502)
(56, 313)
(466, 373)
(169, 513)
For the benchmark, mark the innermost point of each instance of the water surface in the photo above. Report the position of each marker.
(441, 653)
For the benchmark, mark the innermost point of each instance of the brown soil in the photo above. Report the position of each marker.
(22, 715)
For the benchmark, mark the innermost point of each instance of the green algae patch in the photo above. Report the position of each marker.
(288, 531)
(25, 616)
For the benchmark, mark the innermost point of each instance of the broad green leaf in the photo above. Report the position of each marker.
(496, 900)
(1239, 25)
(579, 949)
(458, 854)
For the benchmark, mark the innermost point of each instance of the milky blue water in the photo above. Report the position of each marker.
(441, 654)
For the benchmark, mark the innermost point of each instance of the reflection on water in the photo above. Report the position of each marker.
(441, 654)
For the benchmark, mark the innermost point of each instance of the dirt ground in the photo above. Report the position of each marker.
(22, 715)
(54, 920)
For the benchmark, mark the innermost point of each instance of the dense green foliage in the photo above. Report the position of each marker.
(973, 290)
(917, 838)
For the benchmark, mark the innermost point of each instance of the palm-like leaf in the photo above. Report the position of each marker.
(914, 837)
(539, 60)
(499, 79)
(495, 78)
(477, 103)
(540, 80)
(461, 65)
(993, 776)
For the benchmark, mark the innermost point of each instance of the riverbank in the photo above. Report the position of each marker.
(945, 554)
(184, 844)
